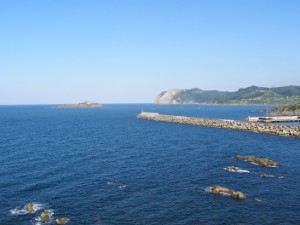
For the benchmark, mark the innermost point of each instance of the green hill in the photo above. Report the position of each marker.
(197, 95)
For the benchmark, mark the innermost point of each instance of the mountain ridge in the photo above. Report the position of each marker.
(252, 95)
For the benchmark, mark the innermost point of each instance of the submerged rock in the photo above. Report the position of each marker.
(62, 220)
(260, 161)
(235, 169)
(218, 190)
(29, 208)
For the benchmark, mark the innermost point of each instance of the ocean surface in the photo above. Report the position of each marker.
(103, 166)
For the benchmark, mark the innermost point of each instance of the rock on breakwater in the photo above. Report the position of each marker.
(274, 129)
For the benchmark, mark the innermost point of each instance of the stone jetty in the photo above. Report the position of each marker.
(275, 129)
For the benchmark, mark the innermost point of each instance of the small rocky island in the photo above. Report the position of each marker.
(80, 105)
(218, 190)
(259, 161)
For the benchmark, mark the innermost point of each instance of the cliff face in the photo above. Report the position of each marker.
(168, 97)
(245, 96)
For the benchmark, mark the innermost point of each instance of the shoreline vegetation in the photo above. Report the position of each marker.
(267, 128)
(80, 105)
(286, 110)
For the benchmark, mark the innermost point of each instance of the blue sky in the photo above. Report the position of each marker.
(128, 51)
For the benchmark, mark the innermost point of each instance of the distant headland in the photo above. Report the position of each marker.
(80, 105)
(245, 96)
(286, 110)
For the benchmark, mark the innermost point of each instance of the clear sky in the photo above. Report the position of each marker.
(128, 51)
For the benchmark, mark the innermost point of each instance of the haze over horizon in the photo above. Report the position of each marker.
(129, 51)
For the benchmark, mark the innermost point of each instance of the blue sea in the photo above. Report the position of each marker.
(103, 166)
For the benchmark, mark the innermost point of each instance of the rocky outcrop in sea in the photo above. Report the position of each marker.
(218, 190)
(259, 161)
(80, 105)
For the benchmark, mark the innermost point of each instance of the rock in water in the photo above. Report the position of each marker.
(232, 169)
(29, 208)
(235, 169)
(260, 161)
(45, 217)
(62, 220)
(218, 190)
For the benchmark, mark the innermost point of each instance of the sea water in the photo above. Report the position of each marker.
(103, 166)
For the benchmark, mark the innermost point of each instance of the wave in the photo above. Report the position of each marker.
(258, 164)
(119, 186)
(110, 183)
(257, 200)
(270, 176)
(122, 186)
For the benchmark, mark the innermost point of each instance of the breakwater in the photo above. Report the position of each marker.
(274, 129)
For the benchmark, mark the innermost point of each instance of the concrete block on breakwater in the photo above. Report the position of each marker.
(274, 129)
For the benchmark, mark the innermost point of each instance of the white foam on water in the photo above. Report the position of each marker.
(258, 164)
(110, 183)
(22, 211)
(38, 223)
(18, 211)
(208, 189)
(238, 170)
(267, 176)
(116, 185)
(272, 166)
(37, 206)
(123, 186)
(257, 200)
(271, 176)
(243, 171)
